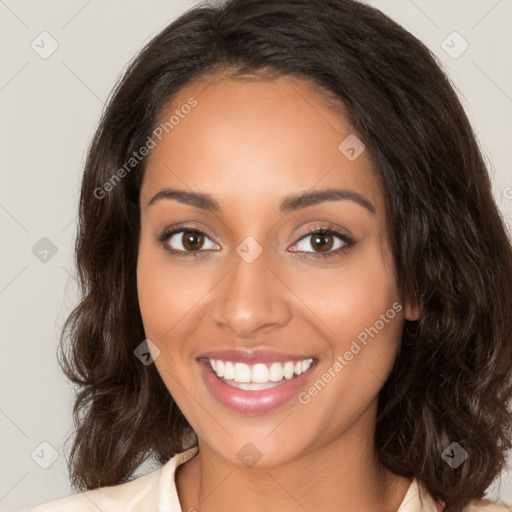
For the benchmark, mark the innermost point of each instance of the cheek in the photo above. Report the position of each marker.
(169, 294)
(351, 297)
(159, 293)
(164, 299)
(365, 323)
(357, 308)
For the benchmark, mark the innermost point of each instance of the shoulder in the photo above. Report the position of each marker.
(148, 493)
(426, 503)
(484, 505)
(139, 494)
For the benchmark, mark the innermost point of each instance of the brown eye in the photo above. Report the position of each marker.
(192, 240)
(322, 242)
(185, 241)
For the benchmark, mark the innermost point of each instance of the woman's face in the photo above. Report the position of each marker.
(262, 293)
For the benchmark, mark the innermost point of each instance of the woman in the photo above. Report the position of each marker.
(296, 283)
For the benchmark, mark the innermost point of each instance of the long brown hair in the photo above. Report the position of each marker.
(452, 379)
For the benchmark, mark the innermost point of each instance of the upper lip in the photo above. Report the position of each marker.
(253, 356)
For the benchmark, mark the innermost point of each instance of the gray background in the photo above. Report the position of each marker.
(49, 109)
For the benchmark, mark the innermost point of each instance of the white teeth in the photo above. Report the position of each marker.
(248, 376)
(251, 386)
(259, 374)
(306, 365)
(242, 372)
(276, 372)
(288, 370)
(229, 371)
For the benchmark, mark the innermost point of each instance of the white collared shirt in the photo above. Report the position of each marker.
(156, 492)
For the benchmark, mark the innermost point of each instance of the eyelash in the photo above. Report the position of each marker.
(322, 230)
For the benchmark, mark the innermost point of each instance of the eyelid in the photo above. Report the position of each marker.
(330, 229)
(169, 232)
(324, 228)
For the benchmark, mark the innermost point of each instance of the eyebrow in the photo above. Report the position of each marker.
(290, 203)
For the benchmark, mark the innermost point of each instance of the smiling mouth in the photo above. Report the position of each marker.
(259, 376)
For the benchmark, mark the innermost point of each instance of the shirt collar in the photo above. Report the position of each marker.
(417, 499)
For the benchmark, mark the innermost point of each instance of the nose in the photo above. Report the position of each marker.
(251, 300)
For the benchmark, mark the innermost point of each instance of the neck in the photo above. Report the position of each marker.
(343, 474)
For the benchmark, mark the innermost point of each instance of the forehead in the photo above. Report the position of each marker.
(254, 138)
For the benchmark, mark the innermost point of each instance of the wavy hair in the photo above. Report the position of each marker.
(452, 377)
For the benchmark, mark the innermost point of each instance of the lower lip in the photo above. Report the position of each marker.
(252, 402)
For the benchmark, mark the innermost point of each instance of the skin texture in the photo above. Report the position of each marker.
(249, 144)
